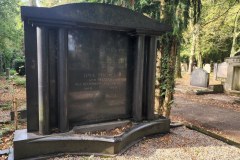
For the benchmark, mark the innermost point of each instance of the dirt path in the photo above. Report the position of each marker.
(223, 121)
(217, 113)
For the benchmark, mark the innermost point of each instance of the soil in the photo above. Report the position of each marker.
(113, 132)
(9, 91)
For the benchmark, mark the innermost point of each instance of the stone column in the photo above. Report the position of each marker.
(43, 87)
(138, 77)
(62, 80)
(151, 74)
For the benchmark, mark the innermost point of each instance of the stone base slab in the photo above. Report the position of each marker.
(31, 145)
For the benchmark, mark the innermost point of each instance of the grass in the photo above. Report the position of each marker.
(13, 72)
(20, 81)
(6, 128)
(5, 106)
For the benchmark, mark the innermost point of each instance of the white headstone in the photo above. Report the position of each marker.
(222, 70)
(184, 67)
(207, 67)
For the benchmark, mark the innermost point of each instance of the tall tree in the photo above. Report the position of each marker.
(217, 19)
(10, 31)
(195, 24)
(235, 49)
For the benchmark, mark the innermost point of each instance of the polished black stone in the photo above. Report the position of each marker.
(94, 15)
(98, 75)
(87, 63)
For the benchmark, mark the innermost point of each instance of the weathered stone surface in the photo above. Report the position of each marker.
(232, 83)
(221, 70)
(200, 78)
(236, 78)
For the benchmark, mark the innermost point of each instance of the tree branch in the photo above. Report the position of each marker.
(216, 18)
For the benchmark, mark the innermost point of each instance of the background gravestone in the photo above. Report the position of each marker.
(184, 67)
(207, 67)
(220, 71)
(200, 78)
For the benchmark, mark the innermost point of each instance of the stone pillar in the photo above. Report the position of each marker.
(7, 73)
(151, 74)
(43, 87)
(138, 78)
(62, 80)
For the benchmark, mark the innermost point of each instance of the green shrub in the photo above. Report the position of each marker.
(12, 72)
(19, 66)
(5, 106)
(20, 81)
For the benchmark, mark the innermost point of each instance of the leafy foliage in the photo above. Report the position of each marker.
(19, 66)
(11, 31)
(216, 35)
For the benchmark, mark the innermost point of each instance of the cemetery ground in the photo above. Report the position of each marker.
(180, 143)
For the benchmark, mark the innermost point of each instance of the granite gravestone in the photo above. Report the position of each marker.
(96, 69)
(98, 75)
(87, 64)
(200, 78)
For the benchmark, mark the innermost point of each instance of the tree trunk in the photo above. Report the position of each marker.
(33, 3)
(1, 64)
(159, 90)
(170, 81)
(200, 61)
(193, 49)
(162, 10)
(178, 73)
(235, 35)
(198, 46)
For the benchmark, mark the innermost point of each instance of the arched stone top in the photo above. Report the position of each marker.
(95, 15)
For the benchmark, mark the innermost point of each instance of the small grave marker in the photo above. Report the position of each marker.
(207, 67)
(199, 78)
(184, 67)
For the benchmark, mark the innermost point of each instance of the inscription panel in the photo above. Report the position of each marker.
(98, 75)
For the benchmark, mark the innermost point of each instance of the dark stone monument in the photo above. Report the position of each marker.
(87, 64)
(199, 78)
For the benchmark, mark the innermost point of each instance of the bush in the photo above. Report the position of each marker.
(20, 81)
(12, 72)
(19, 66)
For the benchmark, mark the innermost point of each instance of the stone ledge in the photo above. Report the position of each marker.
(29, 145)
